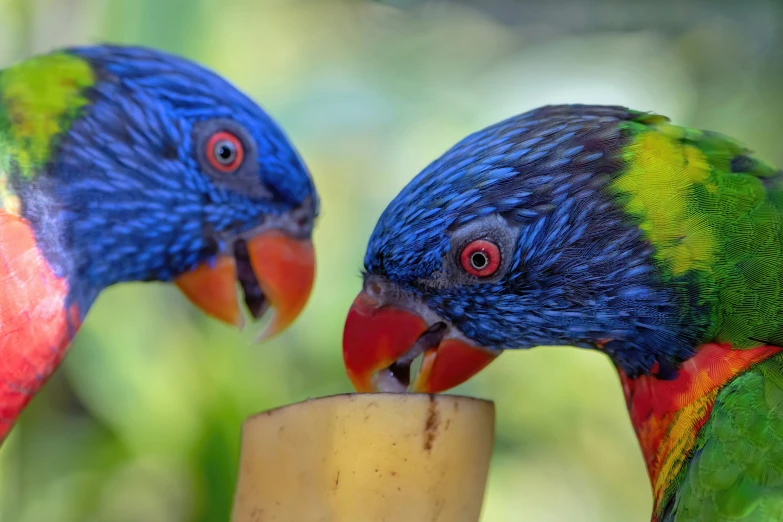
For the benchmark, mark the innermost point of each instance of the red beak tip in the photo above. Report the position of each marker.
(285, 269)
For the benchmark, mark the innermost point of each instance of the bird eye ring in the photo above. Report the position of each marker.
(225, 151)
(480, 258)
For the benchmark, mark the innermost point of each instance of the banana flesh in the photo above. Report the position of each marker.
(366, 458)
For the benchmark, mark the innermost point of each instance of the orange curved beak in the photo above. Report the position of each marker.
(376, 338)
(278, 272)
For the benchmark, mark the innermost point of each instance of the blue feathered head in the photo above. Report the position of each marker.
(162, 170)
(513, 239)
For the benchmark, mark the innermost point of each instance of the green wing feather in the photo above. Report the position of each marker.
(736, 472)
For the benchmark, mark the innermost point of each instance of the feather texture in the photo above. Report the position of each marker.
(659, 244)
(36, 325)
(105, 178)
(712, 212)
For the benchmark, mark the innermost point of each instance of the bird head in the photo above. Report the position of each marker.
(514, 238)
(160, 170)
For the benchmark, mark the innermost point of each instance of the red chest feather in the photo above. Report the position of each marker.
(667, 415)
(35, 328)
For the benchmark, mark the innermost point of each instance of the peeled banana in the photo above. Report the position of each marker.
(366, 458)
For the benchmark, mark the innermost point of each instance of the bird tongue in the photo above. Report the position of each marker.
(398, 375)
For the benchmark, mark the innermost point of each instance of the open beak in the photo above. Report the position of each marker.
(273, 269)
(380, 343)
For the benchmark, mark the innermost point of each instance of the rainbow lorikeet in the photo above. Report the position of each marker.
(607, 228)
(127, 164)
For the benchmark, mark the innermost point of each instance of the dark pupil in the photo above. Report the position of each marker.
(479, 260)
(225, 152)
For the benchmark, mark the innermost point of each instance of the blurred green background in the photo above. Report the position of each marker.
(142, 422)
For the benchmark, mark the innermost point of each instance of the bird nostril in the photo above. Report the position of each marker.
(374, 289)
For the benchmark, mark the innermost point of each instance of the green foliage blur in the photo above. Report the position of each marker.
(142, 422)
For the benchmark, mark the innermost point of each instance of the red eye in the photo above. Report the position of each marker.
(480, 258)
(225, 151)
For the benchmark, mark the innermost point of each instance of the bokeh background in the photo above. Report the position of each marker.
(142, 422)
